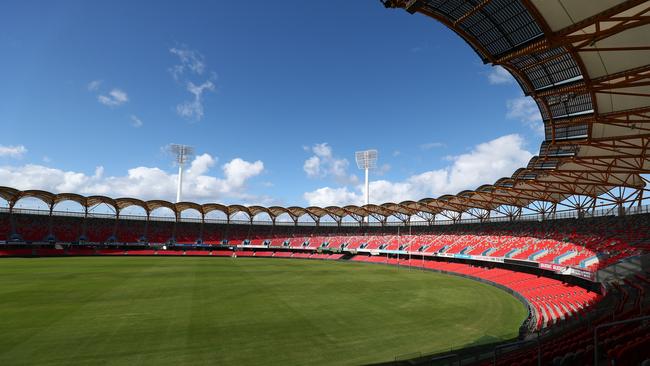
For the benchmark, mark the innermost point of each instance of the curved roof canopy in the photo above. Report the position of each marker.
(586, 65)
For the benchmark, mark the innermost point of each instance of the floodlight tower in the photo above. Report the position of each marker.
(366, 160)
(183, 154)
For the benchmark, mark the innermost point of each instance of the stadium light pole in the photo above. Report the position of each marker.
(366, 160)
(183, 154)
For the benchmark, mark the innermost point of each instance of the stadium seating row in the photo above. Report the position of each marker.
(589, 244)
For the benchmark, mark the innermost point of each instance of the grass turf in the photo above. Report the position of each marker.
(172, 311)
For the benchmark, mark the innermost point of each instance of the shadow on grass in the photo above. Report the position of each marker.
(479, 349)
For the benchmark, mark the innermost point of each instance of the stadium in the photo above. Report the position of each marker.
(548, 266)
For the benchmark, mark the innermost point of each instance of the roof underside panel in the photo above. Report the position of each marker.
(499, 26)
(548, 68)
(560, 14)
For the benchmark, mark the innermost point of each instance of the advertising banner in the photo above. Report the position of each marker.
(552, 267)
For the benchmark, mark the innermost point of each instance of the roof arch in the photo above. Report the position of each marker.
(97, 200)
(125, 202)
(276, 211)
(156, 204)
(209, 207)
(183, 206)
(73, 197)
(234, 209)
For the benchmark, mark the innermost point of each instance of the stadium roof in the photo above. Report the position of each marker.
(585, 63)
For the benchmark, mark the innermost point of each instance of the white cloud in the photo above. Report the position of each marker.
(115, 97)
(193, 109)
(191, 65)
(525, 110)
(237, 171)
(431, 145)
(324, 164)
(312, 167)
(135, 121)
(485, 163)
(190, 60)
(143, 182)
(94, 85)
(498, 75)
(327, 196)
(16, 151)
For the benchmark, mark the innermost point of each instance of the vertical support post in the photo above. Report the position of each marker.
(50, 234)
(177, 218)
(115, 226)
(179, 189)
(12, 203)
(85, 222)
(366, 160)
(183, 153)
(367, 192)
(201, 229)
(640, 197)
(146, 228)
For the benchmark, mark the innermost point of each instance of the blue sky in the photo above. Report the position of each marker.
(274, 96)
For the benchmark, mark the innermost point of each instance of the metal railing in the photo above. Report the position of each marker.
(607, 325)
(567, 214)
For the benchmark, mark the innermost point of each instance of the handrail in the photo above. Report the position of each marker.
(606, 325)
(560, 215)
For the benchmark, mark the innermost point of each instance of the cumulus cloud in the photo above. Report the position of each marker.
(16, 151)
(135, 121)
(143, 182)
(485, 163)
(525, 110)
(498, 75)
(327, 196)
(312, 167)
(114, 98)
(323, 164)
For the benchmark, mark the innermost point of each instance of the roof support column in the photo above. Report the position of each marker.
(117, 223)
(200, 238)
(12, 223)
(146, 227)
(50, 233)
(640, 198)
(177, 217)
(84, 224)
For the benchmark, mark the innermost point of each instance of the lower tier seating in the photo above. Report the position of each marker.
(588, 244)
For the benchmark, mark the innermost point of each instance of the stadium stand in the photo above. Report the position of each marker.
(579, 272)
(482, 251)
(588, 244)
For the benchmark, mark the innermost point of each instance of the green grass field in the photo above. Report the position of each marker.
(217, 311)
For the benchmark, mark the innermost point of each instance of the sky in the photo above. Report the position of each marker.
(275, 97)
